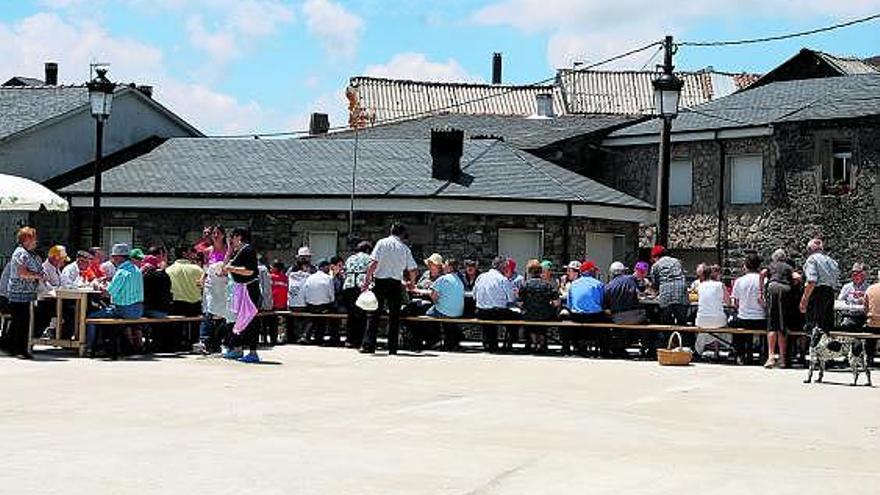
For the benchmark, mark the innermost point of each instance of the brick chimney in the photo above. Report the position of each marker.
(447, 147)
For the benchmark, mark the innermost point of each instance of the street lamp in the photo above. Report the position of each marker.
(101, 102)
(667, 92)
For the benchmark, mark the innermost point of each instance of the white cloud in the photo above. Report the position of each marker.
(417, 66)
(337, 29)
(220, 45)
(590, 30)
(27, 43)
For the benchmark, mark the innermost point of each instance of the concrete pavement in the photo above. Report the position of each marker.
(331, 421)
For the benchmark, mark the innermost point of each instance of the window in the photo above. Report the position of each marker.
(117, 235)
(322, 244)
(746, 179)
(521, 245)
(604, 249)
(836, 159)
(681, 184)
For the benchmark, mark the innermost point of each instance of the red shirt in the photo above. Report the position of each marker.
(279, 290)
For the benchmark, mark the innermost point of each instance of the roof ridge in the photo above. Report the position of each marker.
(535, 166)
(449, 83)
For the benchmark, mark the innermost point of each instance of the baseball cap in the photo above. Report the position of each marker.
(547, 265)
(58, 251)
(574, 265)
(616, 268)
(642, 266)
(137, 254)
(657, 251)
(588, 266)
(304, 251)
(858, 267)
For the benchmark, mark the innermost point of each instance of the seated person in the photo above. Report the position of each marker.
(622, 297)
(320, 295)
(748, 298)
(493, 294)
(540, 302)
(296, 278)
(157, 289)
(126, 292)
(585, 303)
(712, 298)
(853, 293)
(447, 294)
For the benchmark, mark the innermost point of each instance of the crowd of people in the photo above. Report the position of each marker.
(223, 280)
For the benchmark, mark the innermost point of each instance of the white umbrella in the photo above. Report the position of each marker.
(20, 194)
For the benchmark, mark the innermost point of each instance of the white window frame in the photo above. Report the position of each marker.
(690, 182)
(540, 240)
(846, 156)
(108, 235)
(731, 184)
(311, 244)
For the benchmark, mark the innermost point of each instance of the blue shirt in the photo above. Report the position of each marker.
(493, 290)
(450, 292)
(127, 286)
(586, 295)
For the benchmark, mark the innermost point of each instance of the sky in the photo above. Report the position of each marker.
(260, 66)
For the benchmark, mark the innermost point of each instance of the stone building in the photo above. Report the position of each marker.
(765, 168)
(473, 199)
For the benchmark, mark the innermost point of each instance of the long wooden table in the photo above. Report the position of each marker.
(78, 339)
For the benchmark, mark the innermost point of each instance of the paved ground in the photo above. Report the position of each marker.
(330, 421)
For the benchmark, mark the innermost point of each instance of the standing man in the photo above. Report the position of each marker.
(853, 293)
(821, 274)
(390, 261)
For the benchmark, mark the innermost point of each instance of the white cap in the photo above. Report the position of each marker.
(616, 268)
(304, 251)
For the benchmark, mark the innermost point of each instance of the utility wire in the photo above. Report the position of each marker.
(447, 107)
(782, 36)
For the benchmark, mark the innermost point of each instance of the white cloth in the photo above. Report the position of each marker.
(71, 278)
(215, 297)
(265, 287)
(493, 290)
(746, 290)
(319, 289)
(710, 308)
(295, 296)
(392, 257)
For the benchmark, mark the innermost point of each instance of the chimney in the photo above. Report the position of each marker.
(51, 71)
(496, 68)
(446, 149)
(319, 123)
(146, 90)
(544, 105)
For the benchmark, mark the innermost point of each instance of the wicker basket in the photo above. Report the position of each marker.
(674, 356)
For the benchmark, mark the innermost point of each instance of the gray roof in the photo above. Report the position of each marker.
(381, 100)
(632, 92)
(322, 168)
(22, 107)
(23, 81)
(786, 101)
(848, 65)
(520, 132)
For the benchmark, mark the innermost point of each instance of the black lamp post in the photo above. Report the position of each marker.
(101, 100)
(667, 92)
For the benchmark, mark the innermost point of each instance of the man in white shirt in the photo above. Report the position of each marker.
(319, 294)
(391, 262)
(748, 298)
(71, 276)
(494, 294)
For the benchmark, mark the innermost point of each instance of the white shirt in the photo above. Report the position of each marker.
(295, 295)
(109, 269)
(70, 277)
(53, 275)
(746, 291)
(393, 257)
(214, 295)
(710, 309)
(319, 289)
(493, 290)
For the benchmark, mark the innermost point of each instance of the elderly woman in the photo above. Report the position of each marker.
(25, 274)
(782, 307)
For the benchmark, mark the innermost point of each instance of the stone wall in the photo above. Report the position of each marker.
(279, 234)
(793, 209)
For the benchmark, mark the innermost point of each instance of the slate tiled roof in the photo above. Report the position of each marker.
(23, 81)
(848, 66)
(322, 168)
(520, 132)
(25, 106)
(384, 100)
(786, 101)
(631, 92)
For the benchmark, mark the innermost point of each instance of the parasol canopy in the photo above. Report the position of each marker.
(20, 194)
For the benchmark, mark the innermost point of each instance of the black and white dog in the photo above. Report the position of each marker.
(824, 348)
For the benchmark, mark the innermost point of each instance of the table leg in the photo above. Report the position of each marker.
(59, 319)
(81, 304)
(30, 336)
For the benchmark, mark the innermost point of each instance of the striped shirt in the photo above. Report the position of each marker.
(668, 277)
(127, 286)
(493, 290)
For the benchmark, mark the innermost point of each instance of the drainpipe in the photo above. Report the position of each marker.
(566, 233)
(721, 241)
